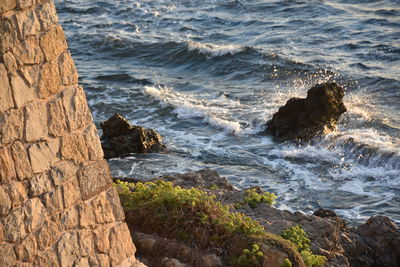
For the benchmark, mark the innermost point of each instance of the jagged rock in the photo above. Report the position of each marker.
(303, 118)
(120, 138)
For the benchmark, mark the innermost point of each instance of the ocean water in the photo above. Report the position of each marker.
(208, 75)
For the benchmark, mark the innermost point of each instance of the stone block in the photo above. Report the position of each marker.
(82, 262)
(68, 73)
(40, 184)
(86, 244)
(6, 99)
(121, 244)
(41, 157)
(26, 250)
(53, 201)
(23, 94)
(35, 214)
(10, 62)
(86, 215)
(11, 126)
(68, 249)
(102, 209)
(72, 194)
(31, 73)
(113, 198)
(49, 81)
(7, 5)
(14, 226)
(76, 107)
(5, 202)
(63, 172)
(103, 260)
(70, 218)
(102, 238)
(47, 15)
(47, 235)
(94, 177)
(22, 164)
(46, 259)
(27, 24)
(7, 170)
(17, 192)
(22, 4)
(28, 52)
(53, 43)
(8, 33)
(58, 125)
(8, 257)
(74, 147)
(93, 144)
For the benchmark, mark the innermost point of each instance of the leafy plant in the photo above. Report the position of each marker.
(287, 263)
(250, 257)
(299, 237)
(253, 198)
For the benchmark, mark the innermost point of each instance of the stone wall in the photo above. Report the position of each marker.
(57, 204)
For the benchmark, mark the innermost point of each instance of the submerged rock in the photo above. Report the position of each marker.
(303, 118)
(120, 138)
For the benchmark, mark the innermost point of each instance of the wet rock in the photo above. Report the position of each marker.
(304, 118)
(120, 138)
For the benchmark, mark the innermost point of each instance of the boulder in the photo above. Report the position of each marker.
(304, 118)
(120, 138)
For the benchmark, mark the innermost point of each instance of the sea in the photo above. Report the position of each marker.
(208, 74)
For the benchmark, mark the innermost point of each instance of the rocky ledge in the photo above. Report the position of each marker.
(375, 243)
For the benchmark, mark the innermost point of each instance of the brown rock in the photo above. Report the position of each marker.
(47, 15)
(6, 100)
(5, 202)
(113, 199)
(27, 24)
(36, 121)
(303, 118)
(49, 81)
(68, 73)
(70, 218)
(7, 170)
(53, 43)
(7, 255)
(121, 139)
(41, 157)
(57, 119)
(72, 194)
(68, 249)
(53, 201)
(102, 209)
(21, 161)
(6, 6)
(46, 259)
(35, 214)
(76, 108)
(63, 172)
(8, 28)
(90, 186)
(167, 262)
(74, 148)
(11, 126)
(23, 94)
(91, 138)
(26, 250)
(31, 73)
(121, 244)
(22, 4)
(86, 215)
(86, 244)
(28, 52)
(40, 184)
(17, 192)
(14, 226)
(101, 239)
(103, 260)
(10, 63)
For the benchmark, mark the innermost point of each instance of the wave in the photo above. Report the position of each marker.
(216, 50)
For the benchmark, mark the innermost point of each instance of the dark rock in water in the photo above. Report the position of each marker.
(120, 138)
(303, 118)
(325, 213)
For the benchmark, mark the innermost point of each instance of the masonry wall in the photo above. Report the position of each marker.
(57, 204)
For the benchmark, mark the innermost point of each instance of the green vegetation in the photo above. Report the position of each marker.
(214, 187)
(253, 198)
(299, 237)
(250, 257)
(287, 263)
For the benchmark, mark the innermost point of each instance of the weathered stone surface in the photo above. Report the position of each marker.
(17, 192)
(57, 120)
(303, 118)
(28, 52)
(86, 244)
(103, 260)
(5, 202)
(14, 226)
(35, 214)
(7, 170)
(26, 250)
(63, 172)
(49, 81)
(40, 184)
(21, 161)
(7, 255)
(89, 185)
(47, 15)
(11, 126)
(22, 4)
(27, 24)
(86, 215)
(23, 94)
(46, 259)
(41, 157)
(31, 74)
(8, 36)
(82, 262)
(102, 209)
(113, 198)
(68, 249)
(53, 201)
(10, 63)
(70, 218)
(6, 6)
(74, 147)
(6, 99)
(68, 73)
(72, 194)
(92, 141)
(53, 43)
(102, 239)
(36, 121)
(121, 139)
(121, 244)
(76, 108)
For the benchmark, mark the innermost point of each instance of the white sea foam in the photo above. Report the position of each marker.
(214, 49)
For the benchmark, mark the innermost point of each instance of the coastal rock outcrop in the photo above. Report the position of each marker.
(303, 118)
(120, 138)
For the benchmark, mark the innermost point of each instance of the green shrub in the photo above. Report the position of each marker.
(253, 198)
(287, 263)
(250, 257)
(299, 237)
